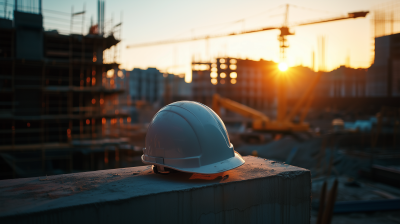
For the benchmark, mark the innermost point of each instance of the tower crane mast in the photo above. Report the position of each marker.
(282, 37)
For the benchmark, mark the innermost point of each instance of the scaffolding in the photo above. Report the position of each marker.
(384, 74)
(386, 19)
(55, 97)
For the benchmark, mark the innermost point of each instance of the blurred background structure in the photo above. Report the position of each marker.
(58, 94)
(67, 104)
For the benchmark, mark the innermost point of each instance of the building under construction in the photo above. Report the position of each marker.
(254, 83)
(246, 81)
(383, 79)
(56, 114)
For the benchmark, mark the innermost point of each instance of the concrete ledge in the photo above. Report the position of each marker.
(260, 191)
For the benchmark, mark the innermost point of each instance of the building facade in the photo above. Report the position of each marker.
(151, 87)
(383, 78)
(255, 83)
(156, 87)
(245, 81)
(342, 82)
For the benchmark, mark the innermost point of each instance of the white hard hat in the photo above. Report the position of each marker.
(189, 137)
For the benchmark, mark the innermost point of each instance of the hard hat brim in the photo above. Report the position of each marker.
(213, 168)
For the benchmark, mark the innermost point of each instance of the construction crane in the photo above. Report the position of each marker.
(284, 121)
(282, 36)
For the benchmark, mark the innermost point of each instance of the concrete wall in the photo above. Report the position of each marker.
(260, 191)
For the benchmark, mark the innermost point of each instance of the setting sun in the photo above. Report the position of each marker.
(283, 66)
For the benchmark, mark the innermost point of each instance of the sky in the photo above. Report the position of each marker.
(155, 20)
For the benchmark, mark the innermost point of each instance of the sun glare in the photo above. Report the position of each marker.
(283, 66)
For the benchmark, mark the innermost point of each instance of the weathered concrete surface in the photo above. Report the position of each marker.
(260, 191)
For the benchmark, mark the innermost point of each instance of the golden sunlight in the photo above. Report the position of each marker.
(283, 66)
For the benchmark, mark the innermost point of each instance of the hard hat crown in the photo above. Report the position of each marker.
(190, 137)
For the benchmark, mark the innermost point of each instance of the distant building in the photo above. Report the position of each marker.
(145, 85)
(254, 83)
(151, 87)
(245, 81)
(179, 88)
(383, 77)
(342, 82)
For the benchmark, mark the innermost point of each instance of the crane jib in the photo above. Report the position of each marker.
(351, 15)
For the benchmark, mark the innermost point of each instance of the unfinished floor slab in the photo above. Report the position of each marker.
(260, 191)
